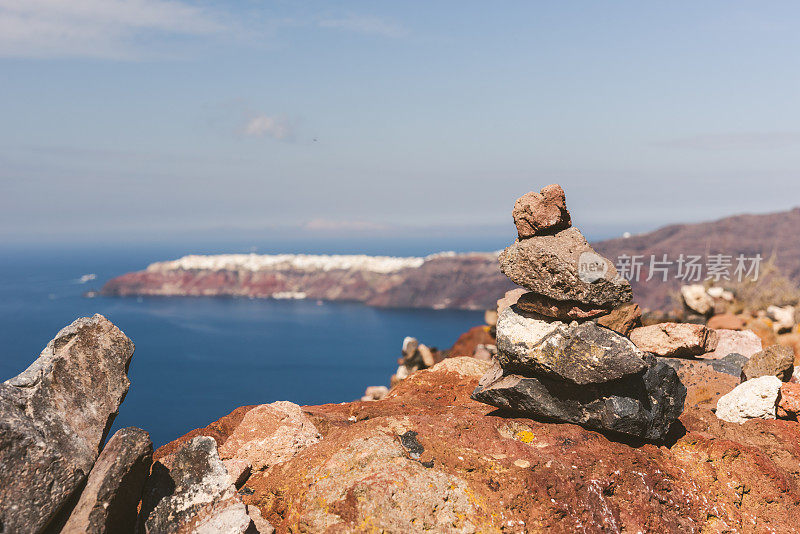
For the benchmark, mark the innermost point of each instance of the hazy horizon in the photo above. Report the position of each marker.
(154, 120)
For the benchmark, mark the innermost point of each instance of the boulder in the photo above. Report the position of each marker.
(644, 404)
(541, 213)
(742, 342)
(773, 361)
(727, 321)
(558, 309)
(622, 319)
(674, 340)
(754, 399)
(110, 500)
(696, 299)
(193, 494)
(54, 418)
(789, 402)
(564, 267)
(577, 353)
(270, 434)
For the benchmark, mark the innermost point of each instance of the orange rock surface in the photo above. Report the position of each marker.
(429, 457)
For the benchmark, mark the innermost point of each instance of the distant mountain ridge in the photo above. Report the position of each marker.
(749, 235)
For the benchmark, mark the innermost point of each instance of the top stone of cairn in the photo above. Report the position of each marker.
(541, 213)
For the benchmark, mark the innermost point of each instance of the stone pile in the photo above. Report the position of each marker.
(562, 354)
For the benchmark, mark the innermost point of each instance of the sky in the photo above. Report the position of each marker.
(157, 119)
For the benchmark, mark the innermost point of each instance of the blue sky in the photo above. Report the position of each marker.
(152, 118)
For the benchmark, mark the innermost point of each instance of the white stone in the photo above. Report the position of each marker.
(755, 399)
(517, 333)
(783, 318)
(696, 298)
(720, 293)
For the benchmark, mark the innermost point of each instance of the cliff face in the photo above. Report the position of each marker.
(462, 281)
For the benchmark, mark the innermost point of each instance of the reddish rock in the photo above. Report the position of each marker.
(675, 340)
(742, 342)
(558, 309)
(220, 430)
(704, 385)
(622, 319)
(467, 342)
(428, 457)
(727, 321)
(789, 401)
(541, 213)
(270, 434)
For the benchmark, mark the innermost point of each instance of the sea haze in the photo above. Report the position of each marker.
(197, 359)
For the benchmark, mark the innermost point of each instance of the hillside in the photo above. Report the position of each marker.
(741, 234)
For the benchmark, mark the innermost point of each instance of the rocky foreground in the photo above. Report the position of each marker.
(447, 280)
(427, 457)
(566, 414)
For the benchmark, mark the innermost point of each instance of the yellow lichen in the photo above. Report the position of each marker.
(525, 436)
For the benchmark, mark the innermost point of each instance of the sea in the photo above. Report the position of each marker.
(197, 359)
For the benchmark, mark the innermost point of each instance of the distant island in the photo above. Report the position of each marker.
(470, 281)
(449, 280)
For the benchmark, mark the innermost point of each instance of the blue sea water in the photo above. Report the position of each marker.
(197, 359)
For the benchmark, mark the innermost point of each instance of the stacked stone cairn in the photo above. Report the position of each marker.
(562, 350)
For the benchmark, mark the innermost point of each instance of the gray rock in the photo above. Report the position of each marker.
(54, 417)
(643, 405)
(578, 353)
(549, 265)
(195, 493)
(110, 499)
(776, 361)
(731, 364)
